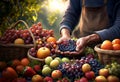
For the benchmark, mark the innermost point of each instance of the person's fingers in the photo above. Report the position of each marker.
(59, 40)
(78, 45)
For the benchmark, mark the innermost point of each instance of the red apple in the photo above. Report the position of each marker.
(90, 75)
(48, 79)
(100, 79)
(104, 72)
(37, 78)
(113, 78)
(37, 68)
(56, 74)
(65, 80)
(83, 79)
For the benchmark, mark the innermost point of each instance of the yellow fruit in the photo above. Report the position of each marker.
(86, 67)
(54, 63)
(43, 52)
(100, 79)
(19, 41)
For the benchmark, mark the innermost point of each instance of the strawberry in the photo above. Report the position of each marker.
(37, 68)
(28, 71)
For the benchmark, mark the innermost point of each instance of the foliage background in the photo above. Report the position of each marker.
(31, 11)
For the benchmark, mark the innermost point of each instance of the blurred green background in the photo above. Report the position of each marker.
(48, 12)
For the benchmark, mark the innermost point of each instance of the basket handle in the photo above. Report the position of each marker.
(19, 21)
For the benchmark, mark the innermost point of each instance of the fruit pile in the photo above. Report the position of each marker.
(111, 45)
(58, 70)
(55, 69)
(10, 35)
(78, 68)
(44, 48)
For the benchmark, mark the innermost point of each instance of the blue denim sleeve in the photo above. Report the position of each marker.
(72, 14)
(114, 31)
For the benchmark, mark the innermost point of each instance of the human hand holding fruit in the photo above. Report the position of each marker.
(67, 47)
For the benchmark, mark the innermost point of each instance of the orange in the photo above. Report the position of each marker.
(116, 46)
(51, 39)
(25, 61)
(107, 45)
(116, 41)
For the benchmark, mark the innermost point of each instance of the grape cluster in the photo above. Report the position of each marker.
(69, 45)
(114, 68)
(96, 66)
(73, 69)
(11, 34)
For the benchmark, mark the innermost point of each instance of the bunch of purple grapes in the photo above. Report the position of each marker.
(73, 69)
(11, 34)
(69, 45)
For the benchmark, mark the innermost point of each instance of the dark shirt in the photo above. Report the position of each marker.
(73, 12)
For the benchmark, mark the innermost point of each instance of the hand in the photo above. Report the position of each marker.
(81, 43)
(63, 38)
(65, 35)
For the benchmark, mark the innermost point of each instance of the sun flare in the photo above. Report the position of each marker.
(57, 5)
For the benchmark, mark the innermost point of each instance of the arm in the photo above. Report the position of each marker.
(106, 34)
(71, 17)
(114, 31)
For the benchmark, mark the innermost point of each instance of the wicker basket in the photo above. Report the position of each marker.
(31, 58)
(107, 56)
(14, 51)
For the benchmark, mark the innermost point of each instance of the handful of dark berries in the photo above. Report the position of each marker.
(69, 45)
(67, 48)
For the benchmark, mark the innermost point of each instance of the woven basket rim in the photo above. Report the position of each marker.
(17, 45)
(38, 59)
(110, 52)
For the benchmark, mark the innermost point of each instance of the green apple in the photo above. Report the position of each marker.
(46, 71)
(65, 59)
(48, 60)
(45, 65)
(54, 63)
(59, 59)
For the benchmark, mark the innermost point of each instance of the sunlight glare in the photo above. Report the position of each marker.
(57, 5)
